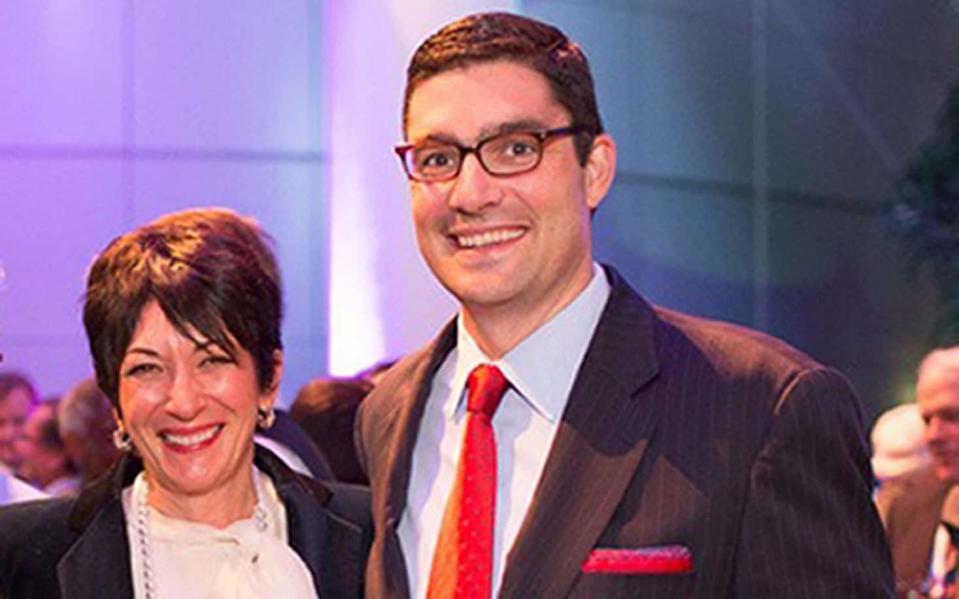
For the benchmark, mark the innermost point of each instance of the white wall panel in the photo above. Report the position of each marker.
(223, 75)
(60, 72)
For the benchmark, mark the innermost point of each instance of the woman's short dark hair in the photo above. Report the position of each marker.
(210, 270)
(486, 37)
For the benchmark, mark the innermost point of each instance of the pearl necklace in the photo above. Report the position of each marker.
(143, 534)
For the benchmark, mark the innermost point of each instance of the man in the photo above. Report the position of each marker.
(637, 452)
(45, 462)
(919, 510)
(17, 398)
(86, 424)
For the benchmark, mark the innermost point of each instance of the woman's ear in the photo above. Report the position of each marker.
(269, 397)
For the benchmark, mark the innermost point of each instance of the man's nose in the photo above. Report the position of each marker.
(474, 188)
(933, 430)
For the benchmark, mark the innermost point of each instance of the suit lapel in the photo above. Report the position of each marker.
(411, 399)
(102, 545)
(102, 548)
(409, 394)
(602, 437)
(330, 546)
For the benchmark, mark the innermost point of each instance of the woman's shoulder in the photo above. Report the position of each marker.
(345, 503)
(34, 536)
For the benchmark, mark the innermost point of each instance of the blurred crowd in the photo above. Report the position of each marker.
(57, 445)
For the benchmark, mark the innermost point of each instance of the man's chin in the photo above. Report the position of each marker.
(947, 474)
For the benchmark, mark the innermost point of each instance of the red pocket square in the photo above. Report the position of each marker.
(665, 559)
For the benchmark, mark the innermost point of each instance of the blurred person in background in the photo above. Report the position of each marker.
(86, 423)
(14, 490)
(18, 397)
(921, 509)
(898, 445)
(293, 445)
(326, 408)
(183, 318)
(44, 460)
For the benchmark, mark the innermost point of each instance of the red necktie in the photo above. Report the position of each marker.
(463, 561)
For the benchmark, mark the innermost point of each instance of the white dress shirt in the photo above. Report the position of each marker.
(541, 371)
(13, 490)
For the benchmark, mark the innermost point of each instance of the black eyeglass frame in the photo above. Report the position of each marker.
(542, 135)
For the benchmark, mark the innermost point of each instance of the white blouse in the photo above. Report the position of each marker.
(187, 560)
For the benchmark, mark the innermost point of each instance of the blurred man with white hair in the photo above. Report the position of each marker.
(921, 509)
(86, 424)
(898, 444)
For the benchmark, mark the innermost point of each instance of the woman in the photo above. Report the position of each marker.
(183, 319)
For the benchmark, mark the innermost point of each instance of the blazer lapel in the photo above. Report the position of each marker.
(602, 437)
(411, 398)
(328, 544)
(102, 545)
(390, 492)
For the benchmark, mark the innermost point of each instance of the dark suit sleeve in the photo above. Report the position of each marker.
(810, 528)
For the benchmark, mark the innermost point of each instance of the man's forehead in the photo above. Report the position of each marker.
(18, 396)
(939, 387)
(475, 101)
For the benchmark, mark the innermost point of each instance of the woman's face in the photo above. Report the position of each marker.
(189, 408)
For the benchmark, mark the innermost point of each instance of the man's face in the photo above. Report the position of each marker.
(40, 464)
(520, 243)
(14, 409)
(938, 399)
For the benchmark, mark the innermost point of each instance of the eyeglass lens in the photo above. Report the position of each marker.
(505, 154)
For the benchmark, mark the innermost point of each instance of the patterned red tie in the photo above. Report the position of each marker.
(463, 561)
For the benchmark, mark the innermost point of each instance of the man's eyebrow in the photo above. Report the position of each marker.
(511, 126)
(486, 132)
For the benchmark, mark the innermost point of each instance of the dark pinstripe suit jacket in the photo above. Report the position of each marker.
(678, 431)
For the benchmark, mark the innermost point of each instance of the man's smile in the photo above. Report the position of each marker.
(489, 237)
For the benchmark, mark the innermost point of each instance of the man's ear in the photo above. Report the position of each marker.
(600, 169)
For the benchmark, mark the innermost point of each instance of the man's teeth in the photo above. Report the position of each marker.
(193, 439)
(487, 238)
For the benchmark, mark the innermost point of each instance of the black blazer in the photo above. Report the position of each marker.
(678, 432)
(78, 548)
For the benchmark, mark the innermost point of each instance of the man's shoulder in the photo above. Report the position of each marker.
(732, 349)
(401, 382)
(728, 347)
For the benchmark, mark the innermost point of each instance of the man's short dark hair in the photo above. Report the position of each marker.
(209, 269)
(487, 37)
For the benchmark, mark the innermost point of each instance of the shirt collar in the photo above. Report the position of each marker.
(542, 367)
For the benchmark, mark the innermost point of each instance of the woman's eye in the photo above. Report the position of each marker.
(215, 359)
(141, 369)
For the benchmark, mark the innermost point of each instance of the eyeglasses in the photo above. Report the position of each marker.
(501, 155)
